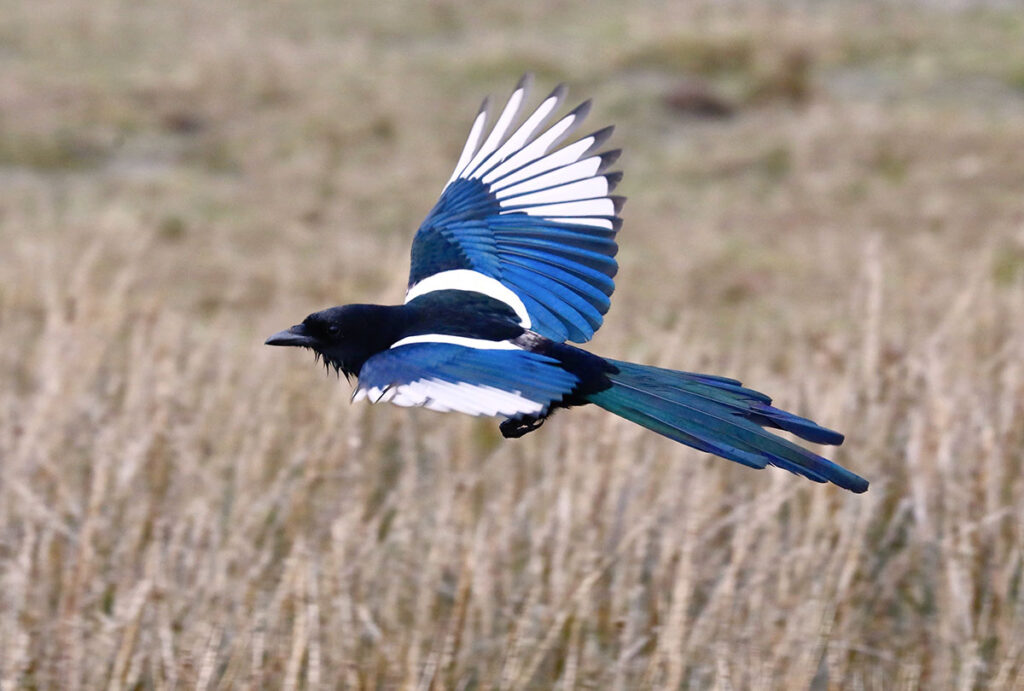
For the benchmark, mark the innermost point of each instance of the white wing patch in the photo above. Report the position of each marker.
(557, 159)
(472, 142)
(521, 136)
(472, 153)
(500, 127)
(446, 397)
(581, 189)
(569, 173)
(540, 146)
(566, 184)
(567, 210)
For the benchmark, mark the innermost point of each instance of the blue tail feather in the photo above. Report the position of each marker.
(720, 416)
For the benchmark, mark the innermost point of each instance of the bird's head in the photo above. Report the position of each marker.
(345, 337)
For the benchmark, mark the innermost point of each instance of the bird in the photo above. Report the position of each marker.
(516, 262)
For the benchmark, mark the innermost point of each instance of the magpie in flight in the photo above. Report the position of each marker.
(517, 258)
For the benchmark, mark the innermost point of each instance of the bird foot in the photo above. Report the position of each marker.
(514, 428)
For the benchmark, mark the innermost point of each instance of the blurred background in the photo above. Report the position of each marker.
(826, 201)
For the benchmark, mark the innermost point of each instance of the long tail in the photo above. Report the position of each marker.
(720, 416)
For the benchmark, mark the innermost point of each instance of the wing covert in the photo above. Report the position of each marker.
(477, 381)
(527, 218)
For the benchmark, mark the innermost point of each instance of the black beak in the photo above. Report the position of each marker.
(295, 336)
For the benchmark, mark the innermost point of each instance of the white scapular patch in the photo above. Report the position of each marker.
(461, 397)
(474, 282)
(477, 343)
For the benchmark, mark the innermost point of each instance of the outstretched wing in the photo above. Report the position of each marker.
(500, 381)
(527, 220)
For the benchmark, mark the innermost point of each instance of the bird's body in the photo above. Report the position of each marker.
(516, 258)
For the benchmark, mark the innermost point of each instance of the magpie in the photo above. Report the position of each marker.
(514, 261)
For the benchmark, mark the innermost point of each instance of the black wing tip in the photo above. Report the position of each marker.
(525, 82)
(559, 93)
(600, 137)
(618, 202)
(582, 110)
(613, 180)
(608, 158)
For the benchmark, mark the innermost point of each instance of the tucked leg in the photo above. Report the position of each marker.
(513, 428)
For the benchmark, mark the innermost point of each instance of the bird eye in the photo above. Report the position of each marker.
(333, 330)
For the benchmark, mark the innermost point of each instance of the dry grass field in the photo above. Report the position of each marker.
(182, 507)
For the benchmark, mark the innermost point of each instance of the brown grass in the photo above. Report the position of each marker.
(183, 507)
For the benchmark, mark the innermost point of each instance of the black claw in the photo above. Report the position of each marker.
(514, 428)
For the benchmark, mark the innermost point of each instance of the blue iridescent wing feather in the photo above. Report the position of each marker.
(533, 214)
(445, 376)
